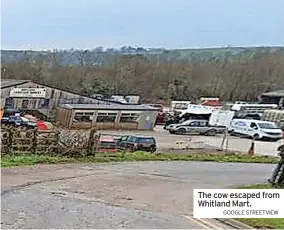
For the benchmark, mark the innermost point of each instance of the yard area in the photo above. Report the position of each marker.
(166, 141)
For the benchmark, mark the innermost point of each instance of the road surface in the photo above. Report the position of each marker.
(122, 195)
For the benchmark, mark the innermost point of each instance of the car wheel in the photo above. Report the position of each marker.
(232, 132)
(256, 136)
(181, 131)
(152, 150)
(211, 132)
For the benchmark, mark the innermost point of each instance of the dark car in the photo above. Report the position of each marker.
(19, 121)
(138, 143)
(121, 142)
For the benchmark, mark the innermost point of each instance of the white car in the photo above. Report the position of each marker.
(255, 129)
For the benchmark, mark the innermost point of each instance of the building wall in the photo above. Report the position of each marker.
(106, 119)
(53, 98)
(147, 120)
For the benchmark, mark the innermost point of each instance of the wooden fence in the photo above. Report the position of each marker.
(51, 142)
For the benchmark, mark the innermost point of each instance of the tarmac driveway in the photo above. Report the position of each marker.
(122, 195)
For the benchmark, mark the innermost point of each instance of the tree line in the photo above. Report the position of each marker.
(238, 79)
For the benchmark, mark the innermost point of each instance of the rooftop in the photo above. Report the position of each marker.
(107, 107)
(5, 83)
(278, 93)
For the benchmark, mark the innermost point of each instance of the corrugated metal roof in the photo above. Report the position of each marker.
(108, 107)
(5, 83)
(278, 93)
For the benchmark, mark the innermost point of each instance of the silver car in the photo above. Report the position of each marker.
(195, 127)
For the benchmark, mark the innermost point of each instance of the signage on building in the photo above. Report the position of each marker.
(28, 92)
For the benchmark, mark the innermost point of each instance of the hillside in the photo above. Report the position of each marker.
(73, 57)
(155, 74)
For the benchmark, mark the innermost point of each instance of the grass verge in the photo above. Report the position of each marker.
(18, 160)
(263, 223)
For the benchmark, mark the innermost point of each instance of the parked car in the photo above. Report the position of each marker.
(195, 127)
(107, 144)
(121, 142)
(18, 121)
(137, 143)
(256, 129)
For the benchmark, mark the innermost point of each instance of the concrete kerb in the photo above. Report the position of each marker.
(234, 223)
(217, 223)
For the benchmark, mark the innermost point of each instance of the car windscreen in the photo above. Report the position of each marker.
(146, 141)
(267, 126)
(124, 138)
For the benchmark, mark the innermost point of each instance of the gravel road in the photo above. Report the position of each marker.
(166, 140)
(122, 195)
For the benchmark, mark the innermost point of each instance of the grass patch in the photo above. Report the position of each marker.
(263, 223)
(257, 186)
(11, 161)
(18, 160)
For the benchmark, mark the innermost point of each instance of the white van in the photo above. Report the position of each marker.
(255, 129)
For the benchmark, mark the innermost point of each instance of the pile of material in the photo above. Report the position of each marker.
(41, 125)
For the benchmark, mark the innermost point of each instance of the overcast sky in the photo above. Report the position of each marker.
(49, 24)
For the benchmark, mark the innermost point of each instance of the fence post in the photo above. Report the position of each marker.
(90, 146)
(34, 142)
(57, 140)
(9, 141)
(97, 141)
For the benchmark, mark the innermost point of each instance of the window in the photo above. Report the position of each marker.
(253, 125)
(146, 141)
(132, 140)
(52, 94)
(83, 117)
(106, 117)
(124, 138)
(202, 124)
(129, 117)
(89, 114)
(44, 103)
(181, 106)
(9, 102)
(33, 103)
(267, 126)
(194, 124)
(25, 104)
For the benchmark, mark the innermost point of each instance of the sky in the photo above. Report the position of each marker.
(171, 24)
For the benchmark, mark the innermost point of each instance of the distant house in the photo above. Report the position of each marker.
(274, 97)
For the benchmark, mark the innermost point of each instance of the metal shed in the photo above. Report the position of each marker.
(275, 97)
(103, 116)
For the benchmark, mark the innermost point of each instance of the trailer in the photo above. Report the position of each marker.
(274, 115)
(244, 110)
